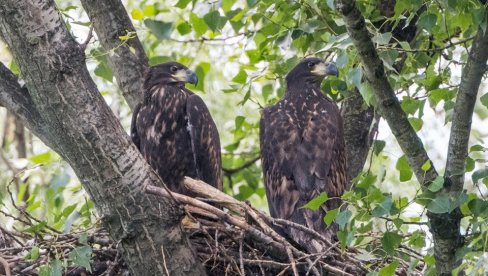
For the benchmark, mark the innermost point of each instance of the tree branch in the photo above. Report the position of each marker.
(445, 227)
(471, 77)
(17, 100)
(129, 61)
(387, 104)
(91, 139)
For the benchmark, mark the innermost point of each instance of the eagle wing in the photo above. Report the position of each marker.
(205, 141)
(302, 157)
(136, 139)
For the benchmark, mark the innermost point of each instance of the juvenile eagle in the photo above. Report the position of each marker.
(173, 129)
(302, 152)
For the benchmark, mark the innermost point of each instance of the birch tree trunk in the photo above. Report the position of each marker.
(73, 118)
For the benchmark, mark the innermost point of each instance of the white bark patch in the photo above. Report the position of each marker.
(44, 18)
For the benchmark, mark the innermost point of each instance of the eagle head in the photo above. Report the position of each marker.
(311, 70)
(173, 73)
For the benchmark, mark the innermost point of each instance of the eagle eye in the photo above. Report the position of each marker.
(311, 64)
(173, 69)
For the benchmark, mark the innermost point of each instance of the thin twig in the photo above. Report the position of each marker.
(243, 272)
(6, 266)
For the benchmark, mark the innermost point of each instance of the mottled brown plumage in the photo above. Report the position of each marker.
(174, 131)
(303, 152)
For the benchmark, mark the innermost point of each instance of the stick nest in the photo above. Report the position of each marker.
(230, 238)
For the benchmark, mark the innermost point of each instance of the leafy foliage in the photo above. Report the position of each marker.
(241, 51)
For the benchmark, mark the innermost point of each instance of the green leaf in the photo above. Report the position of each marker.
(34, 253)
(104, 71)
(54, 268)
(83, 239)
(342, 218)
(345, 238)
(162, 30)
(366, 90)
(354, 76)
(137, 14)
(150, 10)
(36, 228)
(416, 123)
(390, 242)
(440, 204)
(330, 216)
(184, 28)
(201, 70)
(426, 166)
(245, 192)
(316, 202)
(378, 146)
(68, 210)
(241, 77)
(198, 24)
(484, 100)
(383, 208)
(390, 269)
(437, 184)
(214, 20)
(404, 169)
(239, 120)
(182, 4)
(479, 174)
(477, 206)
(41, 158)
(81, 256)
(427, 21)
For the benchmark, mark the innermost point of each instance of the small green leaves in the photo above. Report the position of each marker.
(390, 269)
(198, 24)
(440, 204)
(479, 174)
(241, 77)
(383, 208)
(437, 184)
(426, 166)
(391, 241)
(404, 169)
(104, 71)
(366, 90)
(42, 157)
(427, 21)
(162, 30)
(81, 256)
(214, 20)
(316, 202)
(137, 14)
(330, 216)
(484, 100)
(342, 218)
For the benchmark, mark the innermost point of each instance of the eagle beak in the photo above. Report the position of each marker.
(325, 69)
(191, 77)
(331, 69)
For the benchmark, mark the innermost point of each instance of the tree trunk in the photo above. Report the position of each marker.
(83, 130)
(129, 62)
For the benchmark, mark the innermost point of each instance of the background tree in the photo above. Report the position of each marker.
(419, 64)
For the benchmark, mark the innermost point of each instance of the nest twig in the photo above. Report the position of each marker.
(229, 236)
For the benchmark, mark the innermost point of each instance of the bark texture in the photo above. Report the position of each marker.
(358, 132)
(387, 105)
(18, 101)
(129, 62)
(71, 115)
(445, 227)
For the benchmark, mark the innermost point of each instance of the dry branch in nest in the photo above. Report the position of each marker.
(229, 236)
(233, 238)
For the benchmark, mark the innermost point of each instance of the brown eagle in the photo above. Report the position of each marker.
(173, 129)
(303, 153)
